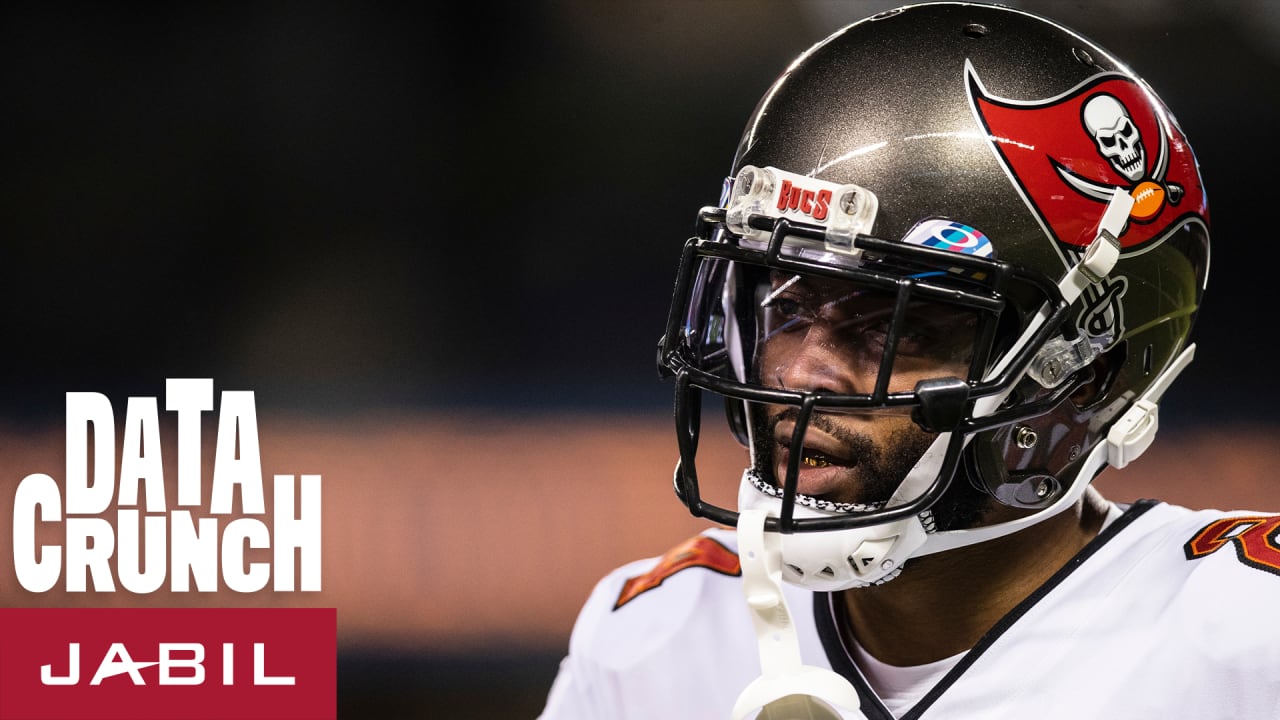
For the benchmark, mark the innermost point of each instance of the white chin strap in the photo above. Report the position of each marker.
(787, 689)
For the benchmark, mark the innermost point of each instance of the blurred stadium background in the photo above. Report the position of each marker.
(438, 242)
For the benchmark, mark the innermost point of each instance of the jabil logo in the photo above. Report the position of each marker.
(178, 663)
(168, 663)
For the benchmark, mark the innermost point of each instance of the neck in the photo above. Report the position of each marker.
(943, 604)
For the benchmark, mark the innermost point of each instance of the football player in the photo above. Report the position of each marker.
(948, 283)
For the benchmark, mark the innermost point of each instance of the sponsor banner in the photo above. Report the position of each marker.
(171, 663)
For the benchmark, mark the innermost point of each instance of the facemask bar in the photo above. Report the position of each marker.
(945, 407)
(688, 412)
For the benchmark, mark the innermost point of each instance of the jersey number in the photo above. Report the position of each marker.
(1254, 538)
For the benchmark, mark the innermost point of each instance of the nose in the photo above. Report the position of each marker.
(818, 362)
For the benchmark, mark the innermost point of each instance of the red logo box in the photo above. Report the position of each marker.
(168, 663)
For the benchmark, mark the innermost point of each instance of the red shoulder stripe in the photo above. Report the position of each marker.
(698, 551)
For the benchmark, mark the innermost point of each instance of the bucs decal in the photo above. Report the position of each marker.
(698, 551)
(1068, 153)
(1103, 315)
(814, 203)
(1117, 138)
(1254, 539)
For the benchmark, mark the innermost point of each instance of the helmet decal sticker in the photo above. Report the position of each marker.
(950, 235)
(1102, 318)
(813, 203)
(1117, 138)
(1067, 154)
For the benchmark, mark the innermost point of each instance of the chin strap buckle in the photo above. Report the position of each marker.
(1103, 253)
(1133, 433)
(786, 688)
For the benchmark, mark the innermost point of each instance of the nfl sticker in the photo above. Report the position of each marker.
(950, 235)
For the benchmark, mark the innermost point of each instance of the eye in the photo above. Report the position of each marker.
(875, 332)
(784, 306)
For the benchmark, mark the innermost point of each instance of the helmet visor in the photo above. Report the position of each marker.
(858, 342)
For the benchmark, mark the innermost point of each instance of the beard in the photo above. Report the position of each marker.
(881, 467)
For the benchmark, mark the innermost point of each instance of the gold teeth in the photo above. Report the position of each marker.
(814, 462)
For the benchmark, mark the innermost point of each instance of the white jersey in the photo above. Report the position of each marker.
(1169, 613)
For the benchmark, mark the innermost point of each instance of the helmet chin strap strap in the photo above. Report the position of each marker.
(787, 689)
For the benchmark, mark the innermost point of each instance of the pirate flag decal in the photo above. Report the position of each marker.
(1067, 154)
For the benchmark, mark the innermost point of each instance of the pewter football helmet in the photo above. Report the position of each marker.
(966, 222)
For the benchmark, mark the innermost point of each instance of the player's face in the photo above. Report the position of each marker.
(827, 335)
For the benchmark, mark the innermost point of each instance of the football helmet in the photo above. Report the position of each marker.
(959, 254)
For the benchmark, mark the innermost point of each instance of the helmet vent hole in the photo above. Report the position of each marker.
(827, 572)
(976, 30)
(795, 569)
(1147, 353)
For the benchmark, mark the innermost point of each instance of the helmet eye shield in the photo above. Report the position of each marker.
(815, 333)
(860, 337)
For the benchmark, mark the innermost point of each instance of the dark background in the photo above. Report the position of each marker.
(347, 205)
(366, 204)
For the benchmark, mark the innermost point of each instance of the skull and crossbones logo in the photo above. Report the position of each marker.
(1118, 139)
